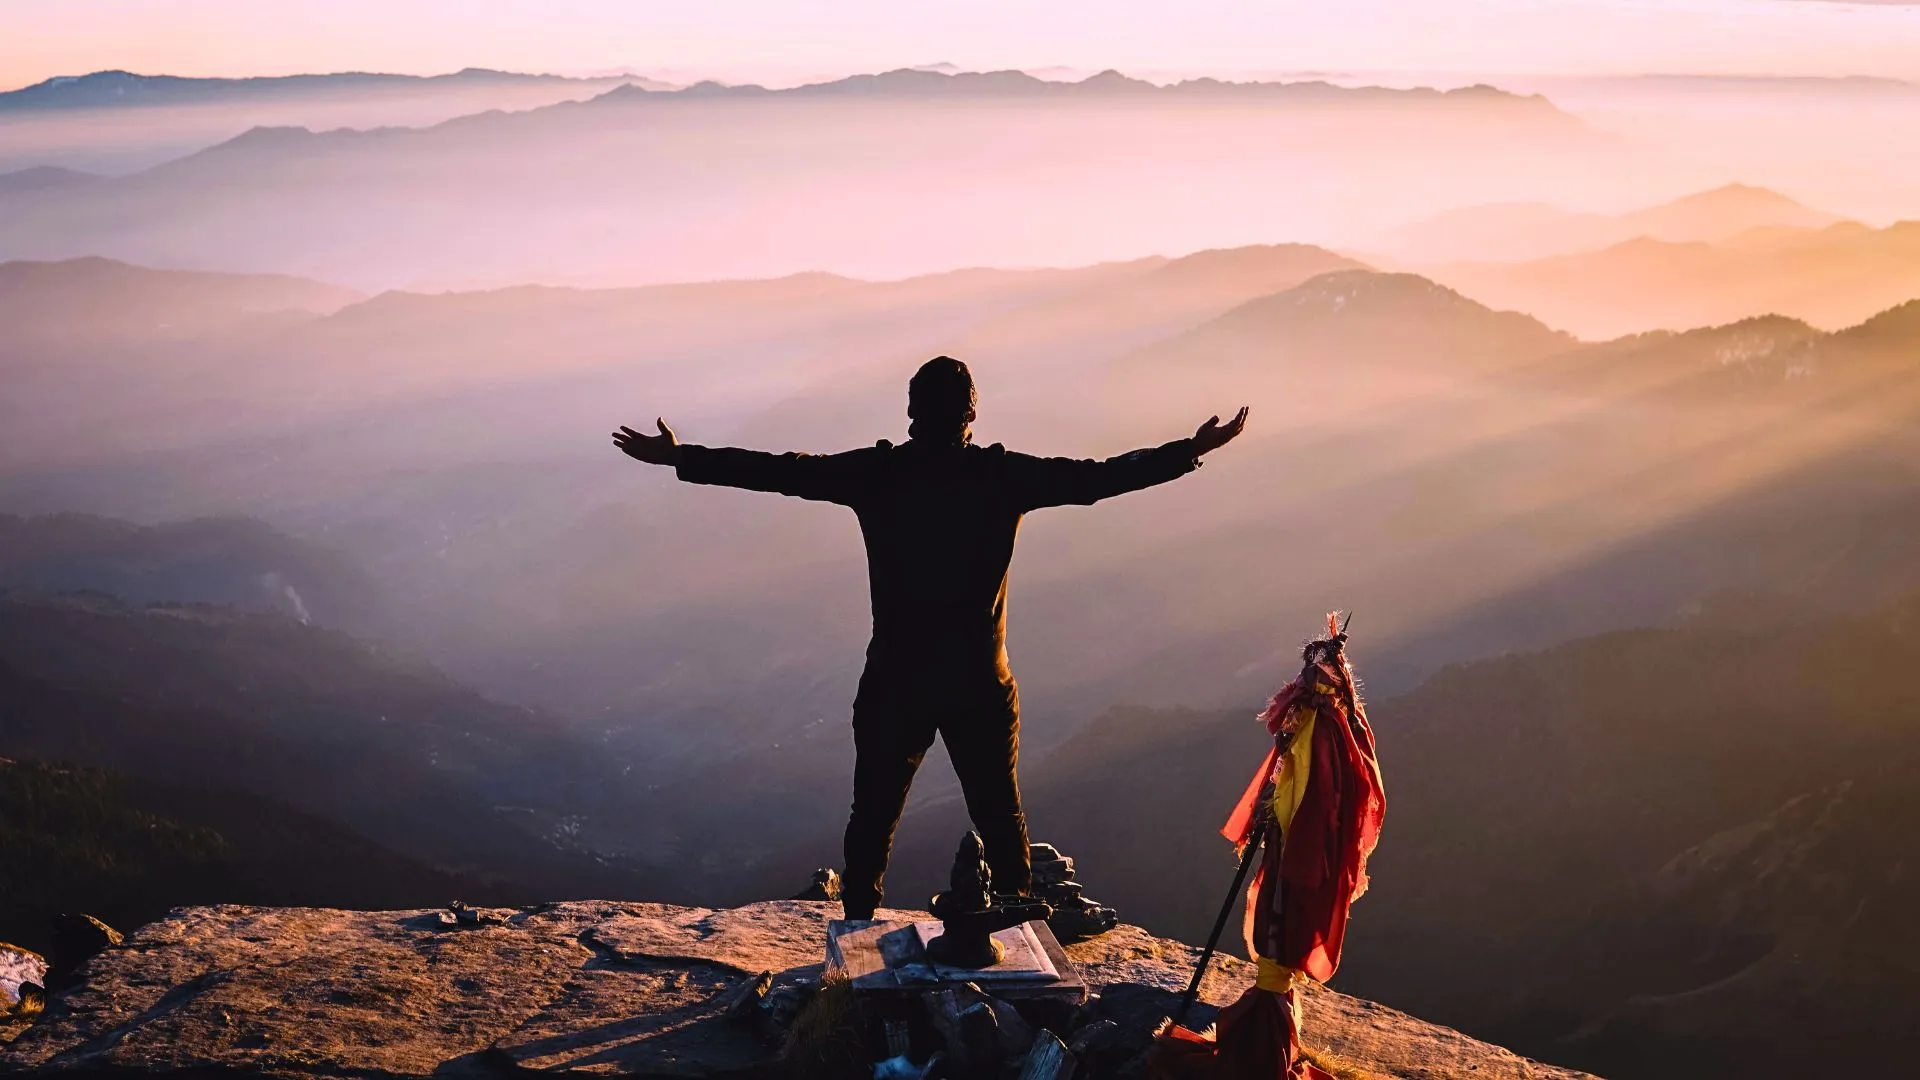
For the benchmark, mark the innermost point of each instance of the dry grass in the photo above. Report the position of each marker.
(828, 1040)
(1340, 1068)
(32, 1003)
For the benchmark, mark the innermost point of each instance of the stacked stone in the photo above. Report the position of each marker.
(1074, 916)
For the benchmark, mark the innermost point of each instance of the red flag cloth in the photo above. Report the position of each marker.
(1314, 870)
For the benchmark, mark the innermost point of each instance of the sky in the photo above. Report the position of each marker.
(786, 40)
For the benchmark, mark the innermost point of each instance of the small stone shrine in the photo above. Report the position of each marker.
(970, 914)
(1003, 948)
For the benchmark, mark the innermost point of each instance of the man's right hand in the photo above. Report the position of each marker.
(661, 449)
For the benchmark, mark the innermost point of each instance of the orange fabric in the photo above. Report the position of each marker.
(1239, 826)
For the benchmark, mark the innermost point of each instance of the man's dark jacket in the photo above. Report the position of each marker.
(939, 522)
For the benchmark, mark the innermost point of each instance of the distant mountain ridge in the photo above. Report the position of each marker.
(93, 299)
(1368, 293)
(117, 89)
(241, 562)
(1833, 276)
(925, 82)
(910, 84)
(210, 697)
(1725, 212)
(43, 177)
(126, 850)
(1344, 324)
(1507, 232)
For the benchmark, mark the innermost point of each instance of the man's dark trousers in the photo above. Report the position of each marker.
(893, 726)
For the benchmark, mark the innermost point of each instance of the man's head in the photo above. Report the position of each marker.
(940, 400)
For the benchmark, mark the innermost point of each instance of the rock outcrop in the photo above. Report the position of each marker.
(19, 967)
(587, 988)
(23, 976)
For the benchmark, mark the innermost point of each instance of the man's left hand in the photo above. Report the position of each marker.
(1213, 434)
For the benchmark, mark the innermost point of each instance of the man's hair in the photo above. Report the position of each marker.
(941, 398)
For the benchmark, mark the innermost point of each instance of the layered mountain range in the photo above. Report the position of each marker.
(443, 442)
(901, 172)
(293, 557)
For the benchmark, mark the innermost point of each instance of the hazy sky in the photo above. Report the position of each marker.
(784, 39)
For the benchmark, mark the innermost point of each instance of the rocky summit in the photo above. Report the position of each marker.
(587, 988)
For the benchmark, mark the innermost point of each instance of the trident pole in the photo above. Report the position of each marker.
(1220, 924)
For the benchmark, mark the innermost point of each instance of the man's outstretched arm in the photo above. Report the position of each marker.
(825, 477)
(1038, 482)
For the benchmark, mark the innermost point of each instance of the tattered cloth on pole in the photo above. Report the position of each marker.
(1315, 807)
(1325, 811)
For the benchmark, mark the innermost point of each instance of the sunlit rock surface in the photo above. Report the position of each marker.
(585, 988)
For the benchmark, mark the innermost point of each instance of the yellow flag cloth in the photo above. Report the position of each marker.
(1290, 785)
(1272, 975)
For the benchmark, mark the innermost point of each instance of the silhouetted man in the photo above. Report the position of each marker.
(939, 516)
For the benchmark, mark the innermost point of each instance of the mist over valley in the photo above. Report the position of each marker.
(1605, 434)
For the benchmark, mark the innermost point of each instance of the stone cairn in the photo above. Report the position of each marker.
(1075, 918)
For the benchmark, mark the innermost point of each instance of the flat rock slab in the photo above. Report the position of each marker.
(590, 988)
(658, 1020)
(773, 936)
